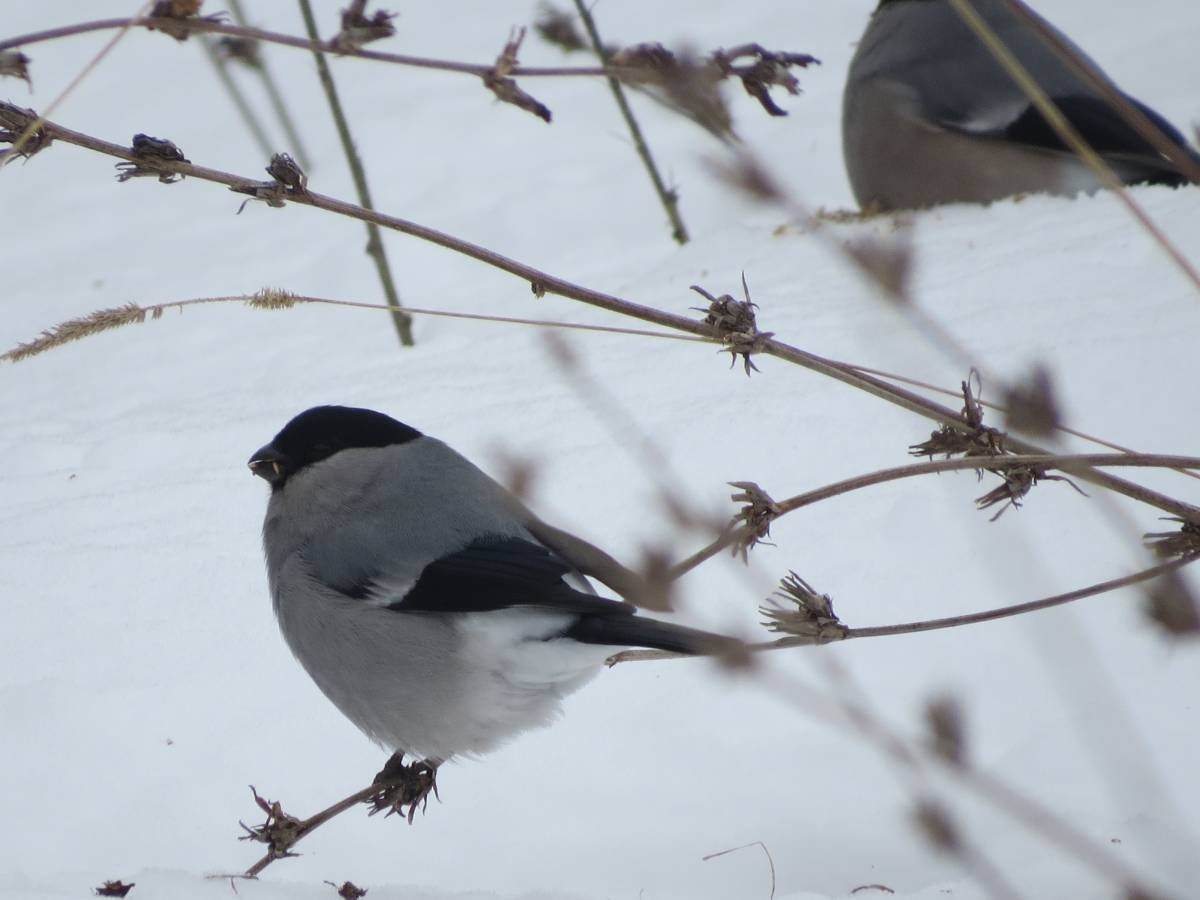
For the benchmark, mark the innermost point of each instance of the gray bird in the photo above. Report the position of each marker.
(929, 116)
(409, 585)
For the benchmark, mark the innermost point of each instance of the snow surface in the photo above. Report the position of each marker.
(143, 683)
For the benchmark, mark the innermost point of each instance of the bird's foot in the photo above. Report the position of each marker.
(404, 787)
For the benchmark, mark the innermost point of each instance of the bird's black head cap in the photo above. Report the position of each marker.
(322, 431)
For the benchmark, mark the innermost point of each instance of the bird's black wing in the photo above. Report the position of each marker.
(502, 572)
(1107, 132)
(499, 572)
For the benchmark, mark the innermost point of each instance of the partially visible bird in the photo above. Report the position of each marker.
(929, 116)
(407, 584)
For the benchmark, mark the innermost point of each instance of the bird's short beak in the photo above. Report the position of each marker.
(269, 464)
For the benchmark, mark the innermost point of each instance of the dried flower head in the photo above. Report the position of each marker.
(756, 516)
(505, 88)
(15, 64)
(150, 154)
(245, 51)
(174, 14)
(1171, 605)
(358, 28)
(287, 172)
(973, 440)
(279, 832)
(795, 608)
(1032, 406)
(766, 71)
(734, 323)
(348, 890)
(692, 87)
(1173, 544)
(116, 888)
(558, 28)
(15, 125)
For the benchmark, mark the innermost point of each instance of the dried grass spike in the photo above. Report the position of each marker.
(77, 329)
(272, 298)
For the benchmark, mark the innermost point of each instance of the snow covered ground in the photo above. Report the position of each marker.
(143, 683)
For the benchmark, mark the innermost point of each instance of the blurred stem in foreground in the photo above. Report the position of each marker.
(375, 250)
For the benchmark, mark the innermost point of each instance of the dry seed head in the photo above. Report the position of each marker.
(15, 64)
(947, 731)
(797, 609)
(1173, 544)
(84, 326)
(1031, 403)
(1171, 606)
(272, 298)
(558, 28)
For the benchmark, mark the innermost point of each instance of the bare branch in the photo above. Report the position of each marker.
(546, 283)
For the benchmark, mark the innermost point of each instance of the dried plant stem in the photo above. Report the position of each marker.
(309, 825)
(221, 66)
(375, 247)
(999, 407)
(1069, 134)
(104, 320)
(32, 128)
(1074, 464)
(275, 97)
(855, 716)
(210, 26)
(668, 197)
(543, 283)
(988, 615)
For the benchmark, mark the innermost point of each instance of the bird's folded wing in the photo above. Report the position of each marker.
(496, 573)
(1104, 129)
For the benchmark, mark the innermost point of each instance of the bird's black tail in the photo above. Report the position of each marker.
(637, 631)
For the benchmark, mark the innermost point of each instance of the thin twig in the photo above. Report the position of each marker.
(211, 26)
(221, 65)
(308, 826)
(32, 128)
(1075, 464)
(766, 852)
(274, 96)
(667, 196)
(1070, 135)
(73, 329)
(1000, 407)
(544, 283)
(846, 634)
(375, 247)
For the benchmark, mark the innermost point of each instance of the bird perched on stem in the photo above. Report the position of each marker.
(930, 116)
(412, 589)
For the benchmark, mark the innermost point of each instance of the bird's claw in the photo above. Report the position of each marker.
(403, 788)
